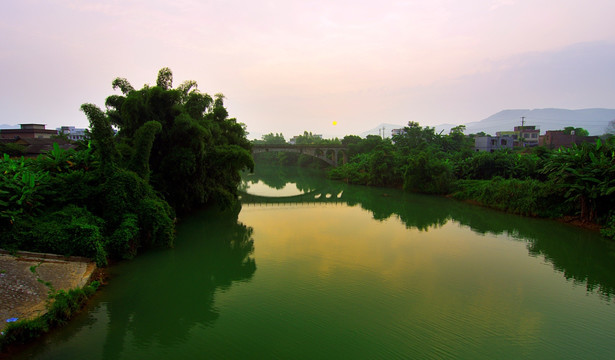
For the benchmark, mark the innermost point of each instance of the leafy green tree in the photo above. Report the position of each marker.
(144, 140)
(272, 139)
(430, 174)
(577, 131)
(199, 151)
(351, 139)
(415, 138)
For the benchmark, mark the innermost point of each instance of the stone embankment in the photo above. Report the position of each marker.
(26, 279)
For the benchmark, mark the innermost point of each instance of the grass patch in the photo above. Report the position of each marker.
(61, 307)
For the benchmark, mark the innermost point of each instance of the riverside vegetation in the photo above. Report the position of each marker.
(176, 150)
(576, 183)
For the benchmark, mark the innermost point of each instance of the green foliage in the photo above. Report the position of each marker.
(429, 174)
(310, 139)
(415, 138)
(125, 195)
(608, 230)
(573, 181)
(175, 145)
(586, 175)
(380, 167)
(102, 135)
(351, 139)
(144, 140)
(524, 197)
(354, 172)
(70, 231)
(486, 165)
(12, 149)
(156, 222)
(165, 78)
(362, 146)
(577, 131)
(124, 240)
(183, 157)
(271, 139)
(20, 185)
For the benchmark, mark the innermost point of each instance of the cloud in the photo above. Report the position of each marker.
(497, 4)
(294, 65)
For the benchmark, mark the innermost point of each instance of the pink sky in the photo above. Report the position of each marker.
(289, 66)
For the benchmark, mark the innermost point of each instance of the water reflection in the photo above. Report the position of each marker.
(215, 252)
(159, 308)
(261, 189)
(582, 256)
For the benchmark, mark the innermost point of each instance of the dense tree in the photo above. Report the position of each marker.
(415, 138)
(174, 149)
(428, 173)
(351, 139)
(271, 139)
(198, 153)
(568, 130)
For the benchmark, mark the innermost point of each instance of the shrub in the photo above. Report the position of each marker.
(156, 222)
(608, 230)
(428, 174)
(70, 231)
(124, 240)
(524, 197)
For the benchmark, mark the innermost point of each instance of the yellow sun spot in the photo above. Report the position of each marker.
(334, 123)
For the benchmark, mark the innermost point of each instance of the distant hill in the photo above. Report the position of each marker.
(378, 130)
(593, 120)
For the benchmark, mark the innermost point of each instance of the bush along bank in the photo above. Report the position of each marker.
(576, 182)
(62, 305)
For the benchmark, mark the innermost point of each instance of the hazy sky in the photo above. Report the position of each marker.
(289, 66)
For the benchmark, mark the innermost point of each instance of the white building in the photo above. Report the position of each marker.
(73, 133)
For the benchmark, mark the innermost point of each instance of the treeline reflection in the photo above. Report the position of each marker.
(179, 290)
(580, 255)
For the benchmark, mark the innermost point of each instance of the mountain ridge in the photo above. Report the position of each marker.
(594, 120)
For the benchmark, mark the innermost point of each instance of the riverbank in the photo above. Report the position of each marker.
(26, 279)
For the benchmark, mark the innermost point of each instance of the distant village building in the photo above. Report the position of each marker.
(396, 132)
(523, 136)
(73, 133)
(554, 139)
(528, 135)
(34, 139)
(33, 147)
(32, 131)
(492, 143)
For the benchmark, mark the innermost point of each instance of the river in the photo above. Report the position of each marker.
(316, 269)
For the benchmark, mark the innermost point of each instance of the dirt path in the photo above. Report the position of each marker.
(23, 293)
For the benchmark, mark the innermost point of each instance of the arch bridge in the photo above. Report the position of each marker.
(327, 153)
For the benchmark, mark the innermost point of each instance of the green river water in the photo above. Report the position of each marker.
(315, 269)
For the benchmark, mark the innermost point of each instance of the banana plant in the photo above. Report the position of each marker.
(586, 174)
(19, 183)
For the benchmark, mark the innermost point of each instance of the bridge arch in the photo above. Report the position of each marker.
(331, 154)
